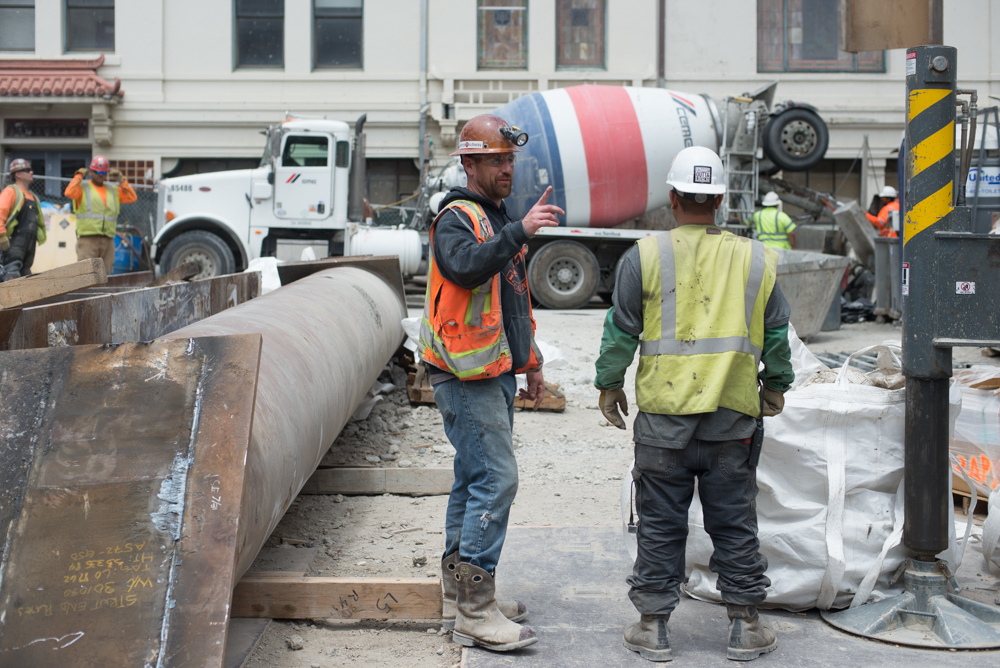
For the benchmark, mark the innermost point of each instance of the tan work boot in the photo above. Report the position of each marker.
(478, 621)
(515, 611)
(650, 637)
(749, 636)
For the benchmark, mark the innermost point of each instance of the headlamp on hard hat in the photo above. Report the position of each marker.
(515, 135)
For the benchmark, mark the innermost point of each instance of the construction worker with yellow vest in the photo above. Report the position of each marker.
(772, 227)
(22, 225)
(97, 203)
(477, 333)
(705, 305)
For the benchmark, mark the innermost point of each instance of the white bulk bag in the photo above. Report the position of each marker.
(830, 507)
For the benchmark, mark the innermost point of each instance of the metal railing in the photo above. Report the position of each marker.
(137, 217)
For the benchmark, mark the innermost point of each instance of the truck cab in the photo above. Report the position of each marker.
(297, 197)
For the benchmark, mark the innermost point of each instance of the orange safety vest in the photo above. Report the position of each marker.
(881, 222)
(462, 330)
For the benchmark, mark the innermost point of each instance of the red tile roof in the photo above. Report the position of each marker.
(62, 78)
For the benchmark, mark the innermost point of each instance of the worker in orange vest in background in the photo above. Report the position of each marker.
(97, 204)
(888, 202)
(22, 225)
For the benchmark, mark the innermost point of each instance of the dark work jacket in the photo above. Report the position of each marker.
(467, 263)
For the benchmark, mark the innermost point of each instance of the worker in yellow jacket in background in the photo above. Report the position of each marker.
(772, 227)
(97, 204)
(22, 226)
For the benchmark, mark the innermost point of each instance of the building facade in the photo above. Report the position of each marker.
(165, 87)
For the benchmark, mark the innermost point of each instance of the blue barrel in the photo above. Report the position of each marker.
(129, 253)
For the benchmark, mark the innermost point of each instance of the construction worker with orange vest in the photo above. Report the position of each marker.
(477, 333)
(22, 225)
(97, 203)
(704, 309)
(888, 201)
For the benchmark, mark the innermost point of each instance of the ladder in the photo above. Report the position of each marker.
(740, 160)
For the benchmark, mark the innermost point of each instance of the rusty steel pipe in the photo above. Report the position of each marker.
(326, 339)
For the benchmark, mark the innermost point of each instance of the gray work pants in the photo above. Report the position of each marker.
(727, 487)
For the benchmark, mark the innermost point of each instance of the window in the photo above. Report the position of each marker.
(503, 34)
(337, 33)
(260, 33)
(804, 36)
(305, 151)
(17, 25)
(580, 34)
(90, 25)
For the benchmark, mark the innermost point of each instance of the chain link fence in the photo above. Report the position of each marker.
(137, 217)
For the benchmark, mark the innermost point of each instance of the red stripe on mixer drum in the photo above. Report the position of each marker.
(616, 160)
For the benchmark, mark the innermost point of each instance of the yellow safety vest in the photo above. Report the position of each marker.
(93, 215)
(768, 230)
(704, 294)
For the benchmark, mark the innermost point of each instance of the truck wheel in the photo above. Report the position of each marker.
(210, 252)
(796, 139)
(563, 274)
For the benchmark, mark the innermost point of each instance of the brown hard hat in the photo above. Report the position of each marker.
(19, 165)
(481, 134)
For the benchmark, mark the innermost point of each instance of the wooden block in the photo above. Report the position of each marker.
(346, 598)
(419, 482)
(58, 281)
(182, 273)
(554, 400)
(360, 481)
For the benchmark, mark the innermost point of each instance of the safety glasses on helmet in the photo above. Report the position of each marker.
(498, 160)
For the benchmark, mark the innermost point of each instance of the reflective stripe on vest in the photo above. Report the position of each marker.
(700, 350)
(462, 330)
(94, 215)
(772, 237)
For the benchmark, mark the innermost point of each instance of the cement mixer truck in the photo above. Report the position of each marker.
(606, 150)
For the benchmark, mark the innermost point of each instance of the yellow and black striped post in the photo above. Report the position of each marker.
(951, 297)
(928, 202)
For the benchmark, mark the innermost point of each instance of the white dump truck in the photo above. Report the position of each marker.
(306, 192)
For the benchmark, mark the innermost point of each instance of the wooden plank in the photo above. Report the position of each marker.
(362, 481)
(345, 598)
(182, 273)
(58, 281)
(554, 400)
(419, 391)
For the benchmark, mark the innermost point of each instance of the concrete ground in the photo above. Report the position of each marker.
(571, 466)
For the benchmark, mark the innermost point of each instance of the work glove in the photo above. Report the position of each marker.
(115, 175)
(4, 243)
(610, 402)
(82, 171)
(774, 401)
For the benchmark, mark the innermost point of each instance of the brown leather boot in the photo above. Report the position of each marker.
(650, 637)
(478, 621)
(515, 611)
(749, 635)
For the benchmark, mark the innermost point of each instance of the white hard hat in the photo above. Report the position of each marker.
(435, 202)
(697, 170)
(771, 199)
(888, 191)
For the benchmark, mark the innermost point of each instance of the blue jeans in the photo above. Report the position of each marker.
(727, 487)
(479, 421)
